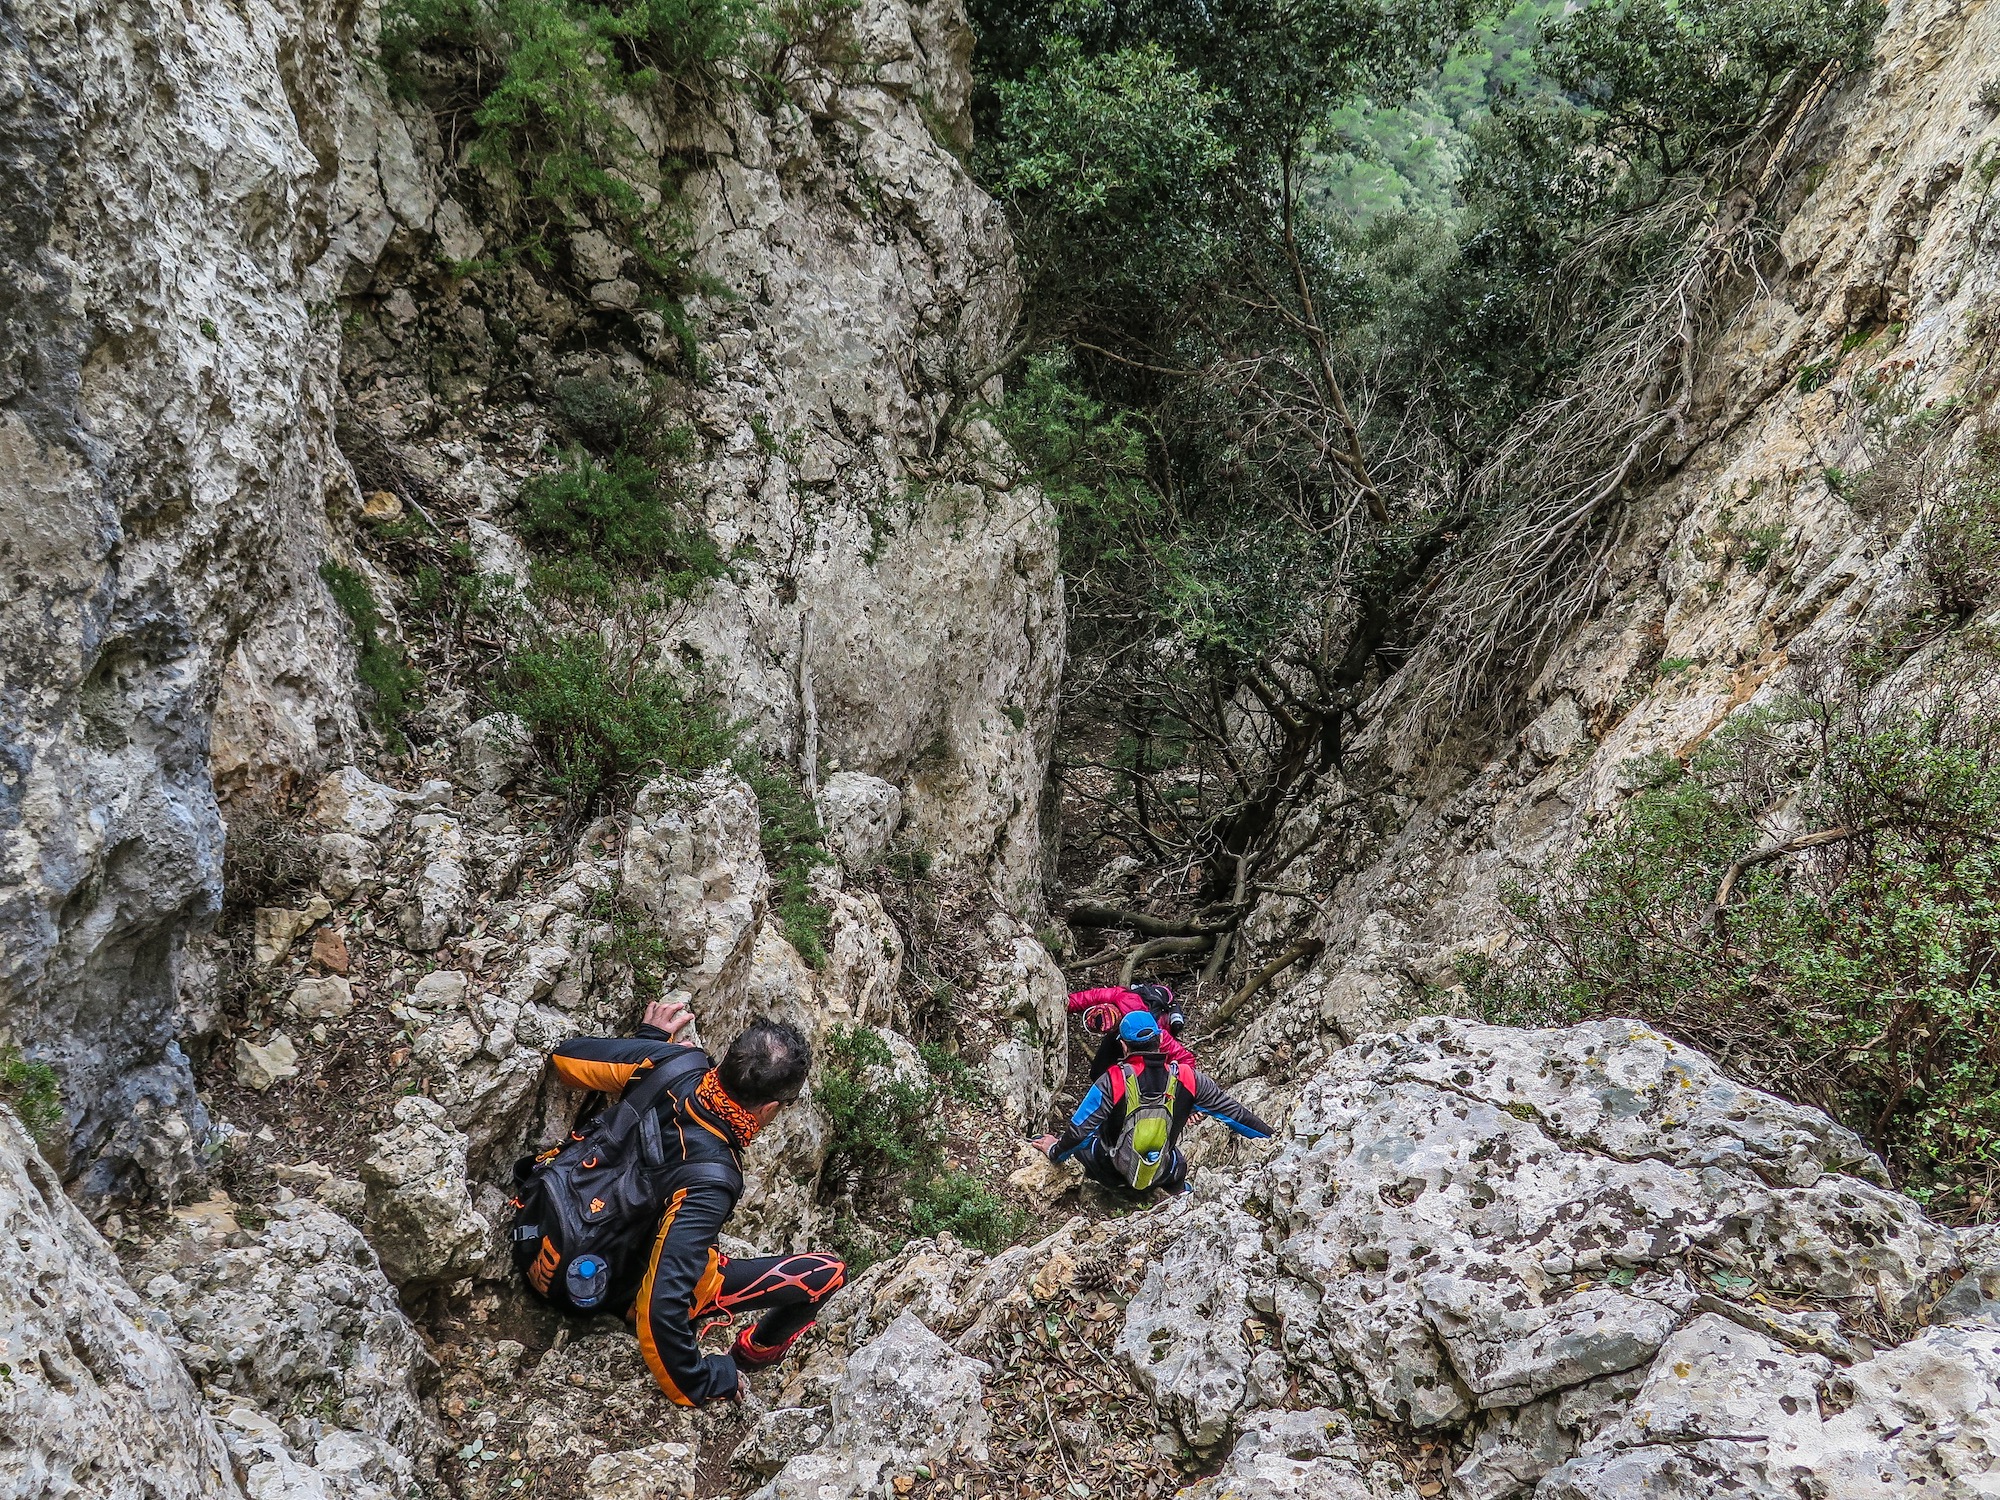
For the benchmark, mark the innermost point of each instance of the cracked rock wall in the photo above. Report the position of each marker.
(894, 607)
(166, 463)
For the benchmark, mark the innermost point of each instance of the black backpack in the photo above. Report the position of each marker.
(587, 1210)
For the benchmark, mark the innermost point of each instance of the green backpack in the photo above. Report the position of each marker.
(1148, 1133)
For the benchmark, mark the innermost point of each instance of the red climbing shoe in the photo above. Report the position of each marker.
(750, 1355)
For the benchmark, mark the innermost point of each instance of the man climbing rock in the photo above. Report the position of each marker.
(1126, 1132)
(625, 1213)
(1103, 1009)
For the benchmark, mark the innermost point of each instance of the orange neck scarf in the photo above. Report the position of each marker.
(734, 1118)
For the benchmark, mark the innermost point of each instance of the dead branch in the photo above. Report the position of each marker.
(1137, 921)
(1306, 949)
(1160, 948)
(1764, 856)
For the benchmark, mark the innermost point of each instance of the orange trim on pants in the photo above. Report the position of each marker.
(644, 1305)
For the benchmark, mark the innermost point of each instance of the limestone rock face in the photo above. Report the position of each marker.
(907, 1398)
(859, 813)
(1727, 1410)
(894, 607)
(1560, 1256)
(299, 1320)
(419, 1216)
(96, 1401)
(493, 751)
(695, 862)
(167, 450)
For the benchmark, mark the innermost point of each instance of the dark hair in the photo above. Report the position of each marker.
(768, 1061)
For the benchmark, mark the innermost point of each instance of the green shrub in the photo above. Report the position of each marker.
(605, 718)
(963, 1205)
(793, 846)
(953, 1073)
(545, 71)
(1855, 971)
(32, 1091)
(392, 683)
(635, 942)
(883, 1126)
(604, 415)
(600, 524)
(1957, 545)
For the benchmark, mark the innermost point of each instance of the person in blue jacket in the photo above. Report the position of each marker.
(1144, 1089)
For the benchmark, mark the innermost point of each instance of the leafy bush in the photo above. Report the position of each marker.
(793, 846)
(600, 523)
(606, 717)
(31, 1089)
(1957, 545)
(888, 1134)
(545, 72)
(391, 682)
(604, 415)
(959, 1203)
(884, 1126)
(1844, 956)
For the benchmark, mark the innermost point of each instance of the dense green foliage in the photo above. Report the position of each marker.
(959, 1203)
(598, 523)
(605, 718)
(30, 1089)
(884, 1124)
(392, 683)
(888, 1141)
(794, 846)
(1260, 402)
(1846, 955)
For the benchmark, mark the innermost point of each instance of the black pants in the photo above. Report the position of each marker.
(1102, 1170)
(788, 1289)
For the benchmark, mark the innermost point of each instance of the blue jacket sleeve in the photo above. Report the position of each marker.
(1095, 1109)
(1213, 1100)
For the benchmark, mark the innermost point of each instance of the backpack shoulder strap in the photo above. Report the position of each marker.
(641, 1095)
(1116, 1083)
(705, 1174)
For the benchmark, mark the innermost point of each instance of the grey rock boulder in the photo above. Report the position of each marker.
(859, 814)
(96, 1401)
(694, 861)
(907, 1398)
(419, 1214)
(493, 752)
(1304, 1455)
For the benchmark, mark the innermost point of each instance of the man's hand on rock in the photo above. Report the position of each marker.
(1042, 1143)
(670, 1016)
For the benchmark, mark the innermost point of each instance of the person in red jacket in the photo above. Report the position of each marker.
(1103, 1009)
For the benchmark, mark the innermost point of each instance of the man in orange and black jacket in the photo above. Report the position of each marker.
(686, 1281)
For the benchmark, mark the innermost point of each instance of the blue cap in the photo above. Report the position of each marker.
(1139, 1029)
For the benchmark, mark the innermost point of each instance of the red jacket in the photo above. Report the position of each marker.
(1127, 1002)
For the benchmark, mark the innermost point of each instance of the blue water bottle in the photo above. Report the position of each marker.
(586, 1280)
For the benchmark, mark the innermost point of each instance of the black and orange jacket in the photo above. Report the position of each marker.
(682, 1267)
